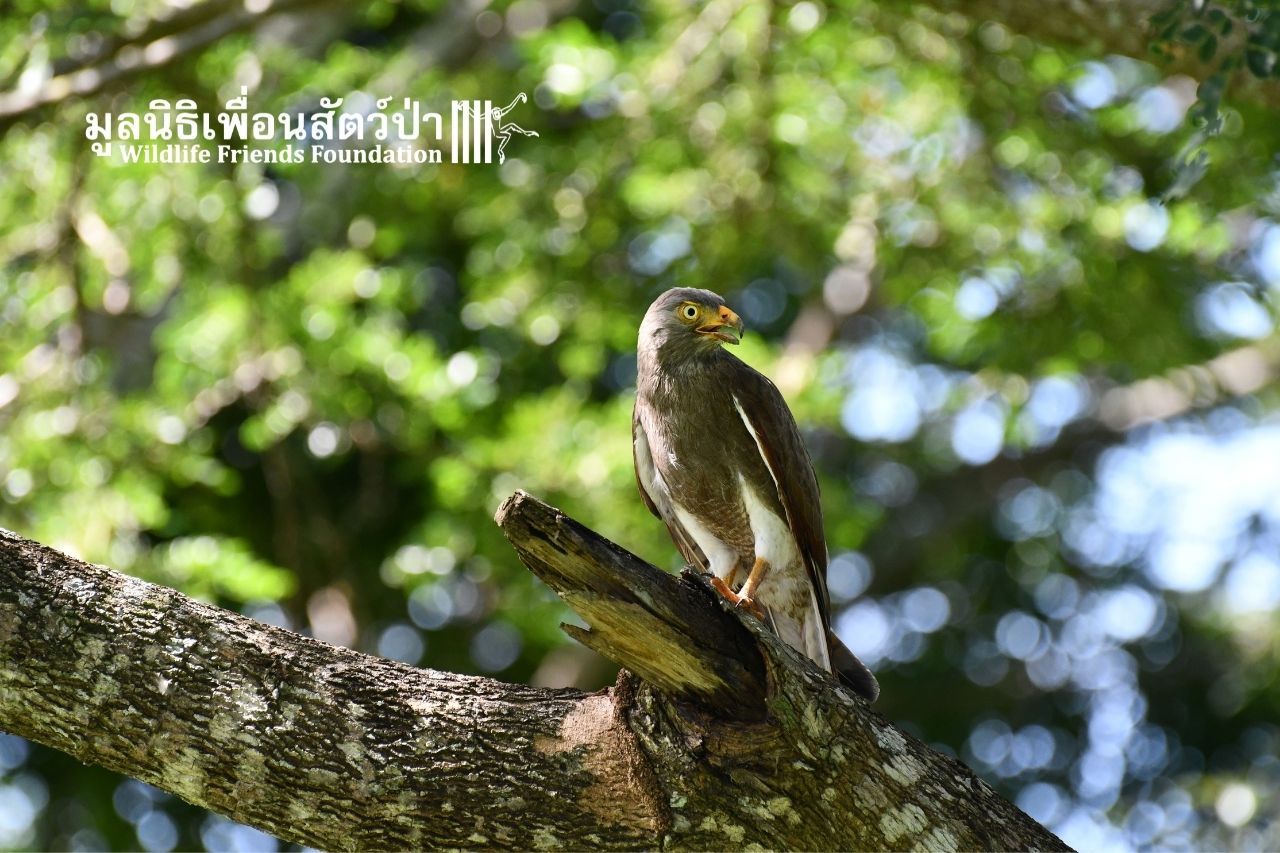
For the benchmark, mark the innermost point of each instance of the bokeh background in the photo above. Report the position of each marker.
(1018, 284)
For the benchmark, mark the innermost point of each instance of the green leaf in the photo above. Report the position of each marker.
(1194, 33)
(1261, 63)
(1208, 48)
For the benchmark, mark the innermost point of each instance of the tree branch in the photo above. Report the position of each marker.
(1105, 26)
(171, 39)
(739, 741)
(666, 632)
(448, 40)
(313, 743)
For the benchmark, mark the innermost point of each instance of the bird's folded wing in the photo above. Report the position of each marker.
(659, 504)
(767, 418)
(642, 460)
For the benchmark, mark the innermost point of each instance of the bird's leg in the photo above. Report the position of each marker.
(743, 599)
(725, 585)
(723, 588)
(732, 579)
(746, 597)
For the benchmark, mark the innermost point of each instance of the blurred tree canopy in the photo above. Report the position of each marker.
(1018, 282)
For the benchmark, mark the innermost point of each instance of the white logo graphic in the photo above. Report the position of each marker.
(481, 122)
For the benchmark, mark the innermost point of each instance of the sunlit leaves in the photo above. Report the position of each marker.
(313, 385)
(226, 567)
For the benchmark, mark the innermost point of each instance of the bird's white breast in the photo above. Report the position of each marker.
(787, 592)
(721, 559)
(774, 540)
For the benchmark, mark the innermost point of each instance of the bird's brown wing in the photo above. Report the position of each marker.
(771, 424)
(646, 473)
(767, 418)
(659, 504)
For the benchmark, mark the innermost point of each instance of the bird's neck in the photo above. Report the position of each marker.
(677, 364)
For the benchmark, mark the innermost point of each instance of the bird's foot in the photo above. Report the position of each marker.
(723, 588)
(740, 601)
(749, 604)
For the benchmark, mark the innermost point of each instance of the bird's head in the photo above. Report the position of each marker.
(686, 322)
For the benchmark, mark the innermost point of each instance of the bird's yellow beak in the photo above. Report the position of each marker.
(726, 327)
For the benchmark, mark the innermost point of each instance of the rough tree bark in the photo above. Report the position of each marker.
(723, 739)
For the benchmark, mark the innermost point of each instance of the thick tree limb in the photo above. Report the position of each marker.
(821, 771)
(310, 742)
(743, 742)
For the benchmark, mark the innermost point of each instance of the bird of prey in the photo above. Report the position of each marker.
(719, 459)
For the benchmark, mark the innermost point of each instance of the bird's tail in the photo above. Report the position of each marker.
(852, 672)
(811, 635)
(835, 655)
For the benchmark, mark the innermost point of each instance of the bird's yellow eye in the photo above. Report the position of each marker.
(689, 312)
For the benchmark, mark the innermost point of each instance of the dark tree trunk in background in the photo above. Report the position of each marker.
(727, 740)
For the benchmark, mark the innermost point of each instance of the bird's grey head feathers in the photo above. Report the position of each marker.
(687, 323)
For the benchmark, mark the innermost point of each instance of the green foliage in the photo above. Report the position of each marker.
(302, 390)
(1200, 27)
